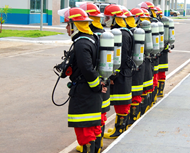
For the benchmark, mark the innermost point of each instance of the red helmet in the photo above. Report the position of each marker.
(138, 12)
(74, 15)
(159, 11)
(126, 12)
(91, 9)
(146, 13)
(147, 5)
(113, 10)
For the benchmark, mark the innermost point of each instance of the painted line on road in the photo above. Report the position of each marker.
(74, 144)
(136, 122)
(177, 69)
(182, 51)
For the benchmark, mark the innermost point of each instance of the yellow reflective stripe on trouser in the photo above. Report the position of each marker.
(106, 103)
(137, 88)
(84, 117)
(94, 83)
(119, 97)
(148, 83)
(163, 66)
(156, 68)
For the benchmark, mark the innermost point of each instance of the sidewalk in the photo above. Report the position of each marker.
(165, 129)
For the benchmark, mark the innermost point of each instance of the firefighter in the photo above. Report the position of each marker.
(163, 62)
(149, 6)
(96, 27)
(84, 112)
(138, 75)
(121, 81)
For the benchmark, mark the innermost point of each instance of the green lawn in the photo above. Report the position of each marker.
(27, 33)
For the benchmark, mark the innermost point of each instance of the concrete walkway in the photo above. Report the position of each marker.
(165, 128)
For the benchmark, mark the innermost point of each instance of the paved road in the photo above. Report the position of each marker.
(29, 122)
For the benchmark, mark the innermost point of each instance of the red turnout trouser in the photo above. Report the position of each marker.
(161, 75)
(155, 81)
(136, 99)
(87, 134)
(122, 109)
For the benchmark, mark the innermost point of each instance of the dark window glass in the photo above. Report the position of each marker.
(35, 6)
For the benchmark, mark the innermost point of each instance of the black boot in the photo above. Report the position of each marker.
(154, 98)
(161, 85)
(120, 127)
(89, 148)
(144, 104)
(98, 143)
(135, 112)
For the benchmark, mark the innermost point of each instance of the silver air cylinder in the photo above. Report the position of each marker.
(171, 31)
(139, 40)
(106, 55)
(145, 25)
(161, 34)
(155, 38)
(117, 48)
(165, 21)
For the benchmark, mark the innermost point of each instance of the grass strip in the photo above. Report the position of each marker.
(27, 33)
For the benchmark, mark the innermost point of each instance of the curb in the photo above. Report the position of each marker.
(66, 42)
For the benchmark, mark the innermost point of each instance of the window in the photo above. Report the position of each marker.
(62, 4)
(35, 6)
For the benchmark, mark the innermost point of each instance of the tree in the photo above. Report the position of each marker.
(3, 13)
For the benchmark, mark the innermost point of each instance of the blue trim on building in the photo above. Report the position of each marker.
(35, 18)
(49, 20)
(61, 19)
(17, 18)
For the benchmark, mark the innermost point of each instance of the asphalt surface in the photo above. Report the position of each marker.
(29, 121)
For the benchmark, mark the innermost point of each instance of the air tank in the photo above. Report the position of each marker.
(145, 25)
(165, 21)
(117, 48)
(155, 38)
(139, 40)
(161, 34)
(171, 31)
(106, 55)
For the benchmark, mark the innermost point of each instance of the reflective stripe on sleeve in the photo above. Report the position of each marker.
(156, 68)
(106, 103)
(84, 117)
(137, 88)
(148, 83)
(118, 97)
(163, 66)
(94, 83)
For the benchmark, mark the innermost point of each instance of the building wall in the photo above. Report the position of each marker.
(55, 16)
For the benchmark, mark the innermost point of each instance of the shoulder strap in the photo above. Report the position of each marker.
(126, 29)
(84, 37)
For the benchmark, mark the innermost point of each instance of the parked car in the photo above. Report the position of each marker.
(174, 13)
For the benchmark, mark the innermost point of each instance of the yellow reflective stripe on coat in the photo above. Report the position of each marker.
(117, 70)
(148, 83)
(137, 88)
(163, 66)
(156, 68)
(167, 47)
(84, 117)
(118, 97)
(106, 103)
(94, 83)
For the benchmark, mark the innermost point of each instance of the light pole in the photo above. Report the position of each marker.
(41, 17)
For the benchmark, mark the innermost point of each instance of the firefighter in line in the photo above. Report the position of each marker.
(138, 75)
(94, 13)
(121, 82)
(85, 105)
(149, 6)
(163, 62)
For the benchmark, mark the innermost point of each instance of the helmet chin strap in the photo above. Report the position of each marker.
(74, 29)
